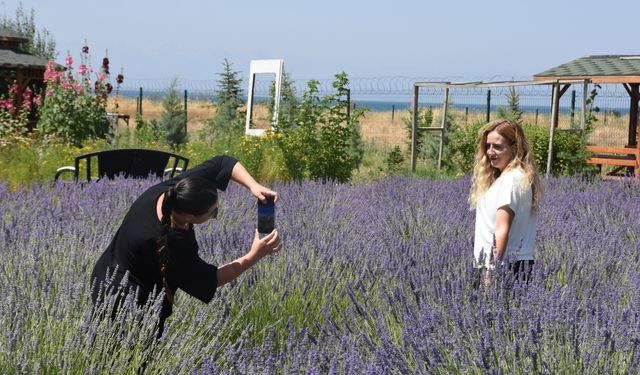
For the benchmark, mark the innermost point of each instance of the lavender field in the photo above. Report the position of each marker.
(373, 278)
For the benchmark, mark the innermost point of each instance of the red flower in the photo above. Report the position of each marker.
(85, 49)
(105, 63)
(120, 78)
(109, 88)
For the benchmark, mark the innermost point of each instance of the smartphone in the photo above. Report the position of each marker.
(266, 216)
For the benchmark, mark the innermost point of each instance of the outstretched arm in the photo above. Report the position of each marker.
(259, 248)
(240, 175)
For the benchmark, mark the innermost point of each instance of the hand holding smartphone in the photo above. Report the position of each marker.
(266, 216)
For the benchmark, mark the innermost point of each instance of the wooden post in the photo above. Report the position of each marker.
(573, 106)
(393, 111)
(554, 110)
(444, 125)
(536, 116)
(583, 112)
(414, 127)
(633, 114)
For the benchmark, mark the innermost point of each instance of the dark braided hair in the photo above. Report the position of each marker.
(192, 195)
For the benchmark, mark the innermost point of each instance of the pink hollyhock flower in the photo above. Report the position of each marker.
(37, 100)
(14, 89)
(66, 85)
(27, 105)
(26, 95)
(79, 88)
(48, 93)
(101, 77)
(82, 69)
(69, 61)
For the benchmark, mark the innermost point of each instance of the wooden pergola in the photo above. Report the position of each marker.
(446, 86)
(604, 69)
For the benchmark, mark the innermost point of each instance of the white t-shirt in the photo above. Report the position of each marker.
(508, 190)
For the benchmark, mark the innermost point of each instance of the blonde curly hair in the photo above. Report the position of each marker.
(484, 175)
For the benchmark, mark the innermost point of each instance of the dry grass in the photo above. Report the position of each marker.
(384, 129)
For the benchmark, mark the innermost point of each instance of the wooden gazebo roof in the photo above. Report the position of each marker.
(12, 56)
(597, 68)
(621, 69)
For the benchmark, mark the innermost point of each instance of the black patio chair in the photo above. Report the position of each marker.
(128, 162)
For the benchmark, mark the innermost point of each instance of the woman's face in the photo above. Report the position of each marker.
(498, 150)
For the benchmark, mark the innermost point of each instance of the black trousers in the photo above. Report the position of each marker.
(521, 269)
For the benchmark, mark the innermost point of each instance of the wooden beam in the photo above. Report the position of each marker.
(607, 161)
(594, 79)
(633, 114)
(612, 150)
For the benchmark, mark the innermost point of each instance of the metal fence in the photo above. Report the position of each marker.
(388, 100)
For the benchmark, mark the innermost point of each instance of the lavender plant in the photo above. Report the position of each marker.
(373, 278)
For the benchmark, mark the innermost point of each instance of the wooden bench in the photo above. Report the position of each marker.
(621, 157)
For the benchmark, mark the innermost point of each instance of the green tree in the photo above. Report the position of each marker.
(173, 118)
(428, 142)
(425, 120)
(288, 99)
(227, 125)
(513, 111)
(40, 42)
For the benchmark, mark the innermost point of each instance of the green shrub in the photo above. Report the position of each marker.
(322, 140)
(173, 120)
(394, 161)
(568, 151)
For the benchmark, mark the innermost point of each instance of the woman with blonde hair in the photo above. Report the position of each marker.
(505, 192)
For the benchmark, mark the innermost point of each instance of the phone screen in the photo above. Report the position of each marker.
(266, 216)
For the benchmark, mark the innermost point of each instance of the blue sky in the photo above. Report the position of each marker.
(450, 38)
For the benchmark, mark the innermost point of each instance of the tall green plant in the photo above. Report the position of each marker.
(323, 140)
(288, 99)
(227, 126)
(513, 111)
(425, 120)
(72, 109)
(428, 142)
(40, 42)
(173, 121)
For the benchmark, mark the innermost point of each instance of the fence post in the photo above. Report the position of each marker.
(348, 105)
(536, 116)
(466, 115)
(488, 105)
(185, 111)
(393, 111)
(140, 101)
(414, 127)
(573, 108)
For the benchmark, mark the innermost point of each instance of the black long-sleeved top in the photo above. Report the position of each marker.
(134, 247)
